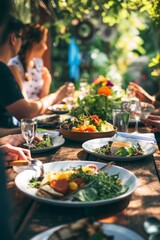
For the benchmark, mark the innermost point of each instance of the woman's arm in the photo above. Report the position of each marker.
(46, 76)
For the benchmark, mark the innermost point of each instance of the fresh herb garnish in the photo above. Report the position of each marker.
(34, 183)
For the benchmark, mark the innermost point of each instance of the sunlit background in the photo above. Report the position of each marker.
(118, 39)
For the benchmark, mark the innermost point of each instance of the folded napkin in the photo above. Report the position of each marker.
(49, 132)
(149, 137)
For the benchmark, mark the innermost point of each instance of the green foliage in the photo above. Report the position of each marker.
(131, 20)
(155, 62)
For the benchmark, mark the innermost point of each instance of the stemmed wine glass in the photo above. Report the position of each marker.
(28, 129)
(69, 100)
(135, 111)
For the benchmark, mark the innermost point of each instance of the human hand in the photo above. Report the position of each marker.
(15, 153)
(153, 122)
(141, 94)
(15, 139)
(64, 91)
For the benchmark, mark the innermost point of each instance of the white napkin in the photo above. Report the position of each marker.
(149, 137)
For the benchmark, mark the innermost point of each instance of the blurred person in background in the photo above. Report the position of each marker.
(32, 76)
(143, 96)
(12, 101)
(153, 121)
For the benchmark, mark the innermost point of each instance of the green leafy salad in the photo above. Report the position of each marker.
(59, 184)
(124, 151)
(47, 141)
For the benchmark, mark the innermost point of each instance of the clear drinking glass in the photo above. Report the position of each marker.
(130, 92)
(70, 94)
(120, 119)
(28, 129)
(135, 111)
(146, 109)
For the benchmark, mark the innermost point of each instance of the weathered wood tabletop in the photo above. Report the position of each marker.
(30, 217)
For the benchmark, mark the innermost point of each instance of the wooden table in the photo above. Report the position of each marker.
(30, 217)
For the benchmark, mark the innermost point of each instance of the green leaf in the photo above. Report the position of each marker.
(123, 151)
(87, 195)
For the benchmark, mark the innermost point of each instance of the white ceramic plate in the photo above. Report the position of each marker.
(119, 233)
(48, 120)
(89, 146)
(58, 141)
(60, 108)
(127, 177)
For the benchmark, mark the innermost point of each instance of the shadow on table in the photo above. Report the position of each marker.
(69, 214)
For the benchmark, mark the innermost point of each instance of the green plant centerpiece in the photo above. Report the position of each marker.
(101, 100)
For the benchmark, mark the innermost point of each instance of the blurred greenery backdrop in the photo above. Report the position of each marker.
(119, 39)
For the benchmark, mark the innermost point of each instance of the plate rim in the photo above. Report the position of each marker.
(117, 158)
(76, 203)
(106, 226)
(51, 108)
(40, 150)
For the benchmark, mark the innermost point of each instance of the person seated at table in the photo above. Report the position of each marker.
(141, 94)
(12, 101)
(32, 76)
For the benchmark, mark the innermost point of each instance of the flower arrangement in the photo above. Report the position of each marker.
(101, 85)
(102, 98)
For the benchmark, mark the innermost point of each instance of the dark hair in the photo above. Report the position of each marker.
(5, 8)
(32, 33)
(13, 25)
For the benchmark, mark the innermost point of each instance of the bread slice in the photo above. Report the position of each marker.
(117, 145)
(48, 192)
(18, 163)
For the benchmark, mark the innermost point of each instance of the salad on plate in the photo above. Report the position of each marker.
(58, 184)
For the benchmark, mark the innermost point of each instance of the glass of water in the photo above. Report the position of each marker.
(28, 129)
(135, 111)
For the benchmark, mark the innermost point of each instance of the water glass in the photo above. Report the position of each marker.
(28, 129)
(120, 119)
(135, 111)
(146, 109)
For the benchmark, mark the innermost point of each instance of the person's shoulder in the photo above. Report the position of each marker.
(38, 62)
(4, 67)
(2, 64)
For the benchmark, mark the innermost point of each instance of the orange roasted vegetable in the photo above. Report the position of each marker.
(61, 186)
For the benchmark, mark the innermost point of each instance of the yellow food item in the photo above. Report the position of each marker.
(117, 145)
(65, 175)
(73, 186)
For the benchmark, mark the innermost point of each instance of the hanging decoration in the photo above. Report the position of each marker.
(84, 30)
(73, 60)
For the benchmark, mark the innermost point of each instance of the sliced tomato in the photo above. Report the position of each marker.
(60, 186)
(96, 119)
(93, 167)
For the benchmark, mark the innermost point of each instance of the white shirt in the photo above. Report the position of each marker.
(35, 84)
